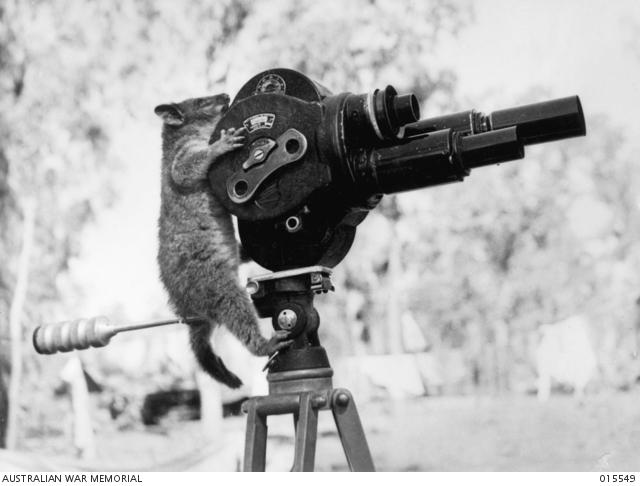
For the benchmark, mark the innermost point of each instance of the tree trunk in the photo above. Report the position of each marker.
(210, 405)
(15, 322)
(83, 440)
(4, 407)
(394, 306)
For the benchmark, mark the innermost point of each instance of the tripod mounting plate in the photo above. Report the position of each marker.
(270, 290)
(318, 278)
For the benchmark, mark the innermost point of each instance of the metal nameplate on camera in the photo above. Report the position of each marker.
(261, 121)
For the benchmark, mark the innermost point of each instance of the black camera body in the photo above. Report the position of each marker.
(314, 163)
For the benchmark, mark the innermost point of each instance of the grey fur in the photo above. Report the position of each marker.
(198, 252)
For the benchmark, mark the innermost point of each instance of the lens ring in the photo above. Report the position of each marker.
(371, 113)
(383, 106)
(406, 109)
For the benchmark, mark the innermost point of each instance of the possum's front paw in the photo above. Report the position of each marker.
(229, 140)
(278, 342)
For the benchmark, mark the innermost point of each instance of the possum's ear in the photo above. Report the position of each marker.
(170, 114)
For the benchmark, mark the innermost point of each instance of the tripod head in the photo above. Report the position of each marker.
(316, 163)
(287, 297)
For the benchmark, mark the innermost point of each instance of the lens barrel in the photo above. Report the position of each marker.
(378, 116)
(537, 123)
(421, 162)
(491, 148)
(543, 122)
(466, 122)
(437, 158)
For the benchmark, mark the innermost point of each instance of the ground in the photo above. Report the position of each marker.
(510, 433)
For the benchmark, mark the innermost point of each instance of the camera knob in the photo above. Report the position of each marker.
(287, 319)
(291, 316)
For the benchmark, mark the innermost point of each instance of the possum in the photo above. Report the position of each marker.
(198, 252)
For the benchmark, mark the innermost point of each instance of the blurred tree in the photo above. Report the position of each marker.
(55, 156)
(72, 75)
(7, 207)
(353, 46)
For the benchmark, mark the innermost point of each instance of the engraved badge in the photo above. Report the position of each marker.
(271, 83)
(259, 121)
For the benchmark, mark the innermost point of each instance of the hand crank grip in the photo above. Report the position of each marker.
(84, 333)
(69, 335)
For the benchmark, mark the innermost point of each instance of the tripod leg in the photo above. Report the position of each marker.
(306, 434)
(255, 445)
(350, 430)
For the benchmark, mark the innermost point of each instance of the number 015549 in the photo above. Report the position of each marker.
(617, 478)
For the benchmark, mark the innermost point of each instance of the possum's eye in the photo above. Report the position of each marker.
(170, 114)
(214, 105)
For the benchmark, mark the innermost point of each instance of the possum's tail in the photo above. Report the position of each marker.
(200, 335)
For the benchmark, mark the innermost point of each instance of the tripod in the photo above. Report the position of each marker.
(300, 377)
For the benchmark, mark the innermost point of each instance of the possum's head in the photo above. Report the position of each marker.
(199, 113)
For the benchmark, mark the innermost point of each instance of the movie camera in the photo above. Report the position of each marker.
(314, 163)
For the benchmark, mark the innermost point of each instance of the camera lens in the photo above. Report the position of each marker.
(378, 116)
(391, 111)
(406, 109)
